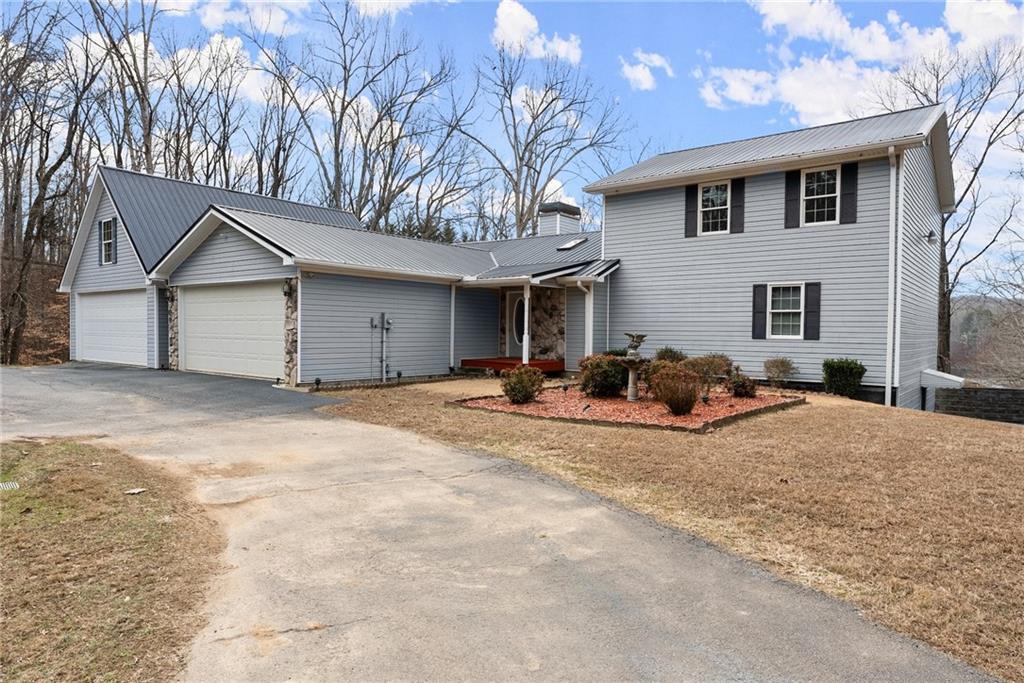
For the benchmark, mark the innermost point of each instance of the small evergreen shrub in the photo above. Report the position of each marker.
(741, 385)
(711, 369)
(649, 369)
(676, 387)
(601, 375)
(842, 376)
(621, 353)
(521, 384)
(779, 370)
(670, 354)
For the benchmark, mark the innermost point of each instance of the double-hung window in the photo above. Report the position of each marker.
(714, 207)
(786, 311)
(107, 241)
(819, 201)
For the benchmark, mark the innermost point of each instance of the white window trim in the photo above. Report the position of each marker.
(803, 317)
(106, 261)
(803, 198)
(727, 207)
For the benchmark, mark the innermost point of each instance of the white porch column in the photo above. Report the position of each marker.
(526, 323)
(588, 321)
(451, 330)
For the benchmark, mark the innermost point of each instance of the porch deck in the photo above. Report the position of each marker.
(507, 362)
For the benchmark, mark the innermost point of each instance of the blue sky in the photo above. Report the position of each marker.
(685, 74)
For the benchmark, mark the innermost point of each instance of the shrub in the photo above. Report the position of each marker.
(711, 368)
(676, 387)
(521, 384)
(602, 375)
(842, 376)
(649, 369)
(741, 385)
(670, 354)
(620, 353)
(779, 370)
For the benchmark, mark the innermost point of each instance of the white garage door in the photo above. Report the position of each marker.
(233, 329)
(111, 327)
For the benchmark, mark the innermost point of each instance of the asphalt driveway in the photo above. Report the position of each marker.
(364, 552)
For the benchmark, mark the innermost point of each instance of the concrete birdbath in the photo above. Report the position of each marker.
(633, 361)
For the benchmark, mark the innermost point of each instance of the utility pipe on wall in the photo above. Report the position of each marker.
(890, 321)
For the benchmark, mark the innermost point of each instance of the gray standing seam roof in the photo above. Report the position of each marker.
(157, 211)
(543, 249)
(530, 269)
(836, 137)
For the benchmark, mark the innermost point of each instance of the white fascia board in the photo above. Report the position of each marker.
(495, 282)
(85, 227)
(785, 163)
(316, 266)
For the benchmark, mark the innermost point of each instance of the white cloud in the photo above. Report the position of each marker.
(274, 18)
(516, 29)
(177, 7)
(741, 86)
(984, 21)
(381, 8)
(640, 74)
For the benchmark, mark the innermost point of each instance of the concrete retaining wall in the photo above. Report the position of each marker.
(1003, 405)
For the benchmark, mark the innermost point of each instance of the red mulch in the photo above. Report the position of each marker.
(570, 405)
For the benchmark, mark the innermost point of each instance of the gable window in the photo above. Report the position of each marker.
(107, 241)
(786, 311)
(714, 207)
(820, 196)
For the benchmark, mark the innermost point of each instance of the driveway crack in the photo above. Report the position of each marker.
(261, 632)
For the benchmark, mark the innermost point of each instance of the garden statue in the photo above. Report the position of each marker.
(633, 361)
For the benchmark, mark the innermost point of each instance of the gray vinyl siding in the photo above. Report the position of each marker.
(152, 311)
(602, 335)
(229, 256)
(335, 339)
(476, 323)
(696, 293)
(919, 297)
(575, 327)
(93, 277)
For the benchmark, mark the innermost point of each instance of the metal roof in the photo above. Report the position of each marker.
(157, 211)
(542, 249)
(598, 268)
(530, 270)
(873, 131)
(327, 244)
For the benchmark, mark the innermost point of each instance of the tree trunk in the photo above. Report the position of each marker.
(945, 315)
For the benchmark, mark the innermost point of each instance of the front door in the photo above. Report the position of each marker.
(515, 324)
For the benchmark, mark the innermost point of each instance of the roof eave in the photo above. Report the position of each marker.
(317, 265)
(786, 163)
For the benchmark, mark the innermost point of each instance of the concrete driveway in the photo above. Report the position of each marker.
(363, 552)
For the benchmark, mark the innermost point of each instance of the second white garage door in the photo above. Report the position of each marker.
(233, 329)
(111, 327)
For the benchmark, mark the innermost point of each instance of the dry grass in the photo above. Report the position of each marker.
(918, 519)
(98, 585)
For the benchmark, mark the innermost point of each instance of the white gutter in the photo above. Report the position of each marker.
(790, 162)
(890, 306)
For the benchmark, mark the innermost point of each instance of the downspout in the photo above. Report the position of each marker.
(891, 297)
(901, 228)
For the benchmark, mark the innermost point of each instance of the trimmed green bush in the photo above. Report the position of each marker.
(670, 354)
(620, 353)
(741, 385)
(651, 368)
(779, 370)
(676, 387)
(842, 376)
(602, 375)
(521, 384)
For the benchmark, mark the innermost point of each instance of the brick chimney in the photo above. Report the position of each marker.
(558, 218)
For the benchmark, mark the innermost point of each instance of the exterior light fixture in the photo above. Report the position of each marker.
(930, 237)
(286, 288)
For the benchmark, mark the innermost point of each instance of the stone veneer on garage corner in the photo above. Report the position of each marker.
(291, 334)
(172, 328)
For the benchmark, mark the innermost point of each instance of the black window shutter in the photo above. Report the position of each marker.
(739, 186)
(691, 211)
(113, 240)
(812, 310)
(848, 193)
(760, 311)
(99, 241)
(792, 199)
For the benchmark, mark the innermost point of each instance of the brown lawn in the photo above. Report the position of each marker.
(918, 519)
(98, 585)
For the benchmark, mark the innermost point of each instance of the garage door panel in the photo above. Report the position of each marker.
(111, 327)
(234, 329)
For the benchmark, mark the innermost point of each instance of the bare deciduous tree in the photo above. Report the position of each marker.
(550, 125)
(999, 353)
(983, 91)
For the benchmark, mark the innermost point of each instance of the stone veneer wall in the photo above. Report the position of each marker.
(291, 334)
(172, 328)
(547, 322)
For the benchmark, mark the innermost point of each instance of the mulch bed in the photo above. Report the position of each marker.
(573, 405)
